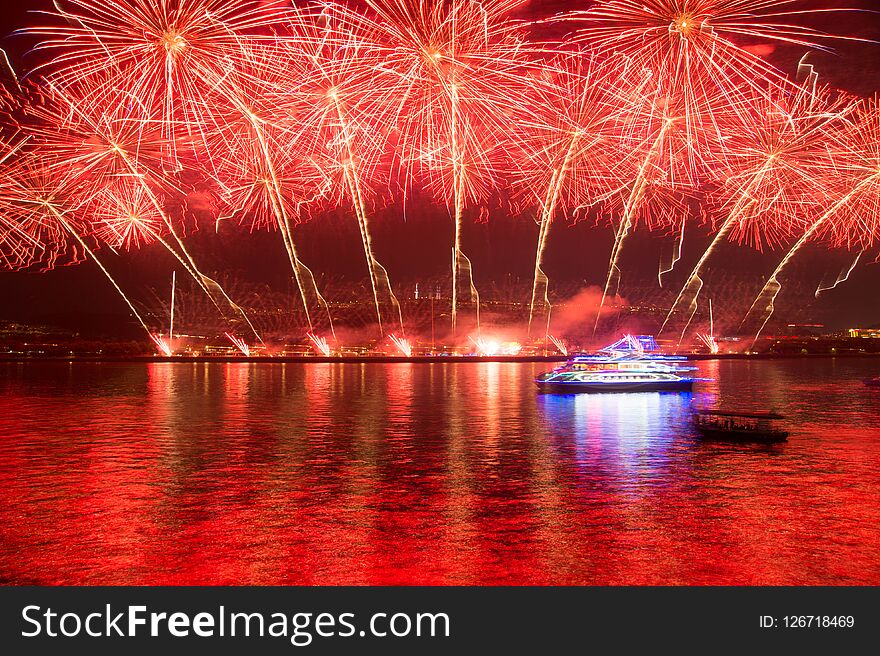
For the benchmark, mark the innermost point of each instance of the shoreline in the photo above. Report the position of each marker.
(391, 359)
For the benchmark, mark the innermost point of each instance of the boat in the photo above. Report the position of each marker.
(631, 364)
(872, 382)
(740, 426)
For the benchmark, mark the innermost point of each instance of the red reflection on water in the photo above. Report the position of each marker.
(414, 474)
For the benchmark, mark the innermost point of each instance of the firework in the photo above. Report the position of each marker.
(283, 111)
(173, 290)
(39, 221)
(28, 234)
(240, 344)
(457, 68)
(320, 344)
(164, 53)
(343, 118)
(123, 217)
(709, 342)
(708, 339)
(703, 79)
(263, 178)
(693, 48)
(853, 212)
(487, 347)
(776, 166)
(402, 345)
(162, 344)
(572, 142)
(100, 146)
(559, 344)
(490, 347)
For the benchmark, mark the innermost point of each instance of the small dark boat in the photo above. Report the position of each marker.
(740, 426)
(872, 382)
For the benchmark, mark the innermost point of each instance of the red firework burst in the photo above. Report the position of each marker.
(457, 69)
(852, 213)
(782, 164)
(96, 144)
(36, 225)
(574, 150)
(124, 217)
(693, 49)
(164, 53)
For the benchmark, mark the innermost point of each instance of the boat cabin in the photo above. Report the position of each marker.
(740, 425)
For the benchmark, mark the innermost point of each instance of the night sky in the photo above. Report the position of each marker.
(502, 250)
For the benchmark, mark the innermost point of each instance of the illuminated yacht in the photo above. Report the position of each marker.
(631, 364)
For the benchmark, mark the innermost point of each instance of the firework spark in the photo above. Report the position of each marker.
(320, 344)
(402, 345)
(162, 345)
(559, 344)
(240, 344)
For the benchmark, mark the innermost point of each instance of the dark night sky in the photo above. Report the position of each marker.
(501, 249)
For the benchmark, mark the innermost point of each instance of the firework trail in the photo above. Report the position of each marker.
(456, 68)
(173, 289)
(263, 178)
(676, 255)
(572, 143)
(776, 159)
(853, 190)
(343, 117)
(162, 345)
(842, 277)
(627, 222)
(708, 339)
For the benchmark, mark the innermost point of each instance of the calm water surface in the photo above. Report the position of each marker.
(430, 474)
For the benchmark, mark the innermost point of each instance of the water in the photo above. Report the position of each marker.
(430, 474)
